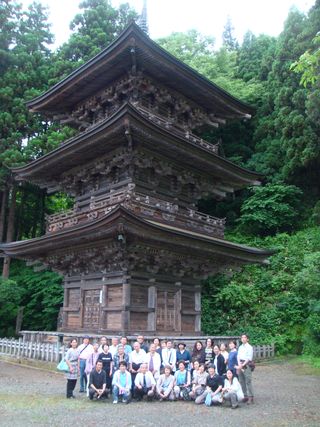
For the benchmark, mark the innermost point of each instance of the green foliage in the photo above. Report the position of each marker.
(309, 64)
(10, 296)
(271, 209)
(278, 303)
(41, 295)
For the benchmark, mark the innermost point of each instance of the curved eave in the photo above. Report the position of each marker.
(61, 158)
(107, 226)
(117, 59)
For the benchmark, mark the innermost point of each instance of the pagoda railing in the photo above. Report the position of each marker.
(145, 206)
(168, 124)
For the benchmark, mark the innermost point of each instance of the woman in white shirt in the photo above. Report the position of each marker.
(232, 390)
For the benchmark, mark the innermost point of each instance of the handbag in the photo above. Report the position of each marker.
(63, 366)
(208, 400)
(251, 365)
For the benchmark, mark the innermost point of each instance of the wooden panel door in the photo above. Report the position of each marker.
(166, 311)
(91, 309)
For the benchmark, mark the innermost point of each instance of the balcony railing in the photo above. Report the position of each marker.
(144, 206)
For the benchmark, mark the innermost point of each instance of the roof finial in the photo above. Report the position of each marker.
(143, 18)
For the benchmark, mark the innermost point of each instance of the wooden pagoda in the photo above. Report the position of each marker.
(134, 248)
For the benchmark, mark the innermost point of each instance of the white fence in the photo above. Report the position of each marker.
(54, 352)
(32, 350)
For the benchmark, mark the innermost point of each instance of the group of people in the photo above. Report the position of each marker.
(209, 374)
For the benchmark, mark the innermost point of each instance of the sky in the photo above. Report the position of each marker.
(206, 16)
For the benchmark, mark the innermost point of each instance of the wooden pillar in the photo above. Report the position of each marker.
(178, 303)
(82, 294)
(126, 301)
(197, 307)
(152, 291)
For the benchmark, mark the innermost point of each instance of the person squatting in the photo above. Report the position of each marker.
(209, 374)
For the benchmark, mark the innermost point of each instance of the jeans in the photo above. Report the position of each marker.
(125, 396)
(83, 376)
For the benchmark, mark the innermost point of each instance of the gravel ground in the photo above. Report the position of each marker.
(286, 395)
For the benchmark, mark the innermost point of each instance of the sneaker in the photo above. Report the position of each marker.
(115, 401)
(125, 401)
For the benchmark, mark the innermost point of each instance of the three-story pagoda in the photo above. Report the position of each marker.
(134, 248)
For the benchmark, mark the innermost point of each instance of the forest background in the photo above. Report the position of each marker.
(279, 76)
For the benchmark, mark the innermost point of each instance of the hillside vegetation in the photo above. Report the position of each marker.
(279, 76)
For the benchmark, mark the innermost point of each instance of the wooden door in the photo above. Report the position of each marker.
(91, 309)
(166, 313)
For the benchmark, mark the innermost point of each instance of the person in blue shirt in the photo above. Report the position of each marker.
(121, 384)
(232, 359)
(183, 355)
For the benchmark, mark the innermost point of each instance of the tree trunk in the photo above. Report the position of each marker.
(3, 212)
(12, 213)
(10, 230)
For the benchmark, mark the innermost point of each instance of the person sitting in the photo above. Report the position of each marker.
(232, 390)
(195, 370)
(121, 384)
(165, 385)
(199, 383)
(154, 361)
(97, 382)
(214, 386)
(182, 382)
(219, 361)
(183, 355)
(120, 356)
(144, 383)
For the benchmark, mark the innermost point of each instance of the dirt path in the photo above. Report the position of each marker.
(286, 395)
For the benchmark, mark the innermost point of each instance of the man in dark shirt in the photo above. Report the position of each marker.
(214, 386)
(97, 382)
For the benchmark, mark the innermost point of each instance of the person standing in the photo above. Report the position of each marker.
(169, 356)
(183, 355)
(126, 346)
(233, 357)
(114, 346)
(143, 344)
(245, 356)
(136, 358)
(85, 350)
(107, 364)
(219, 361)
(92, 360)
(120, 356)
(154, 361)
(72, 360)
